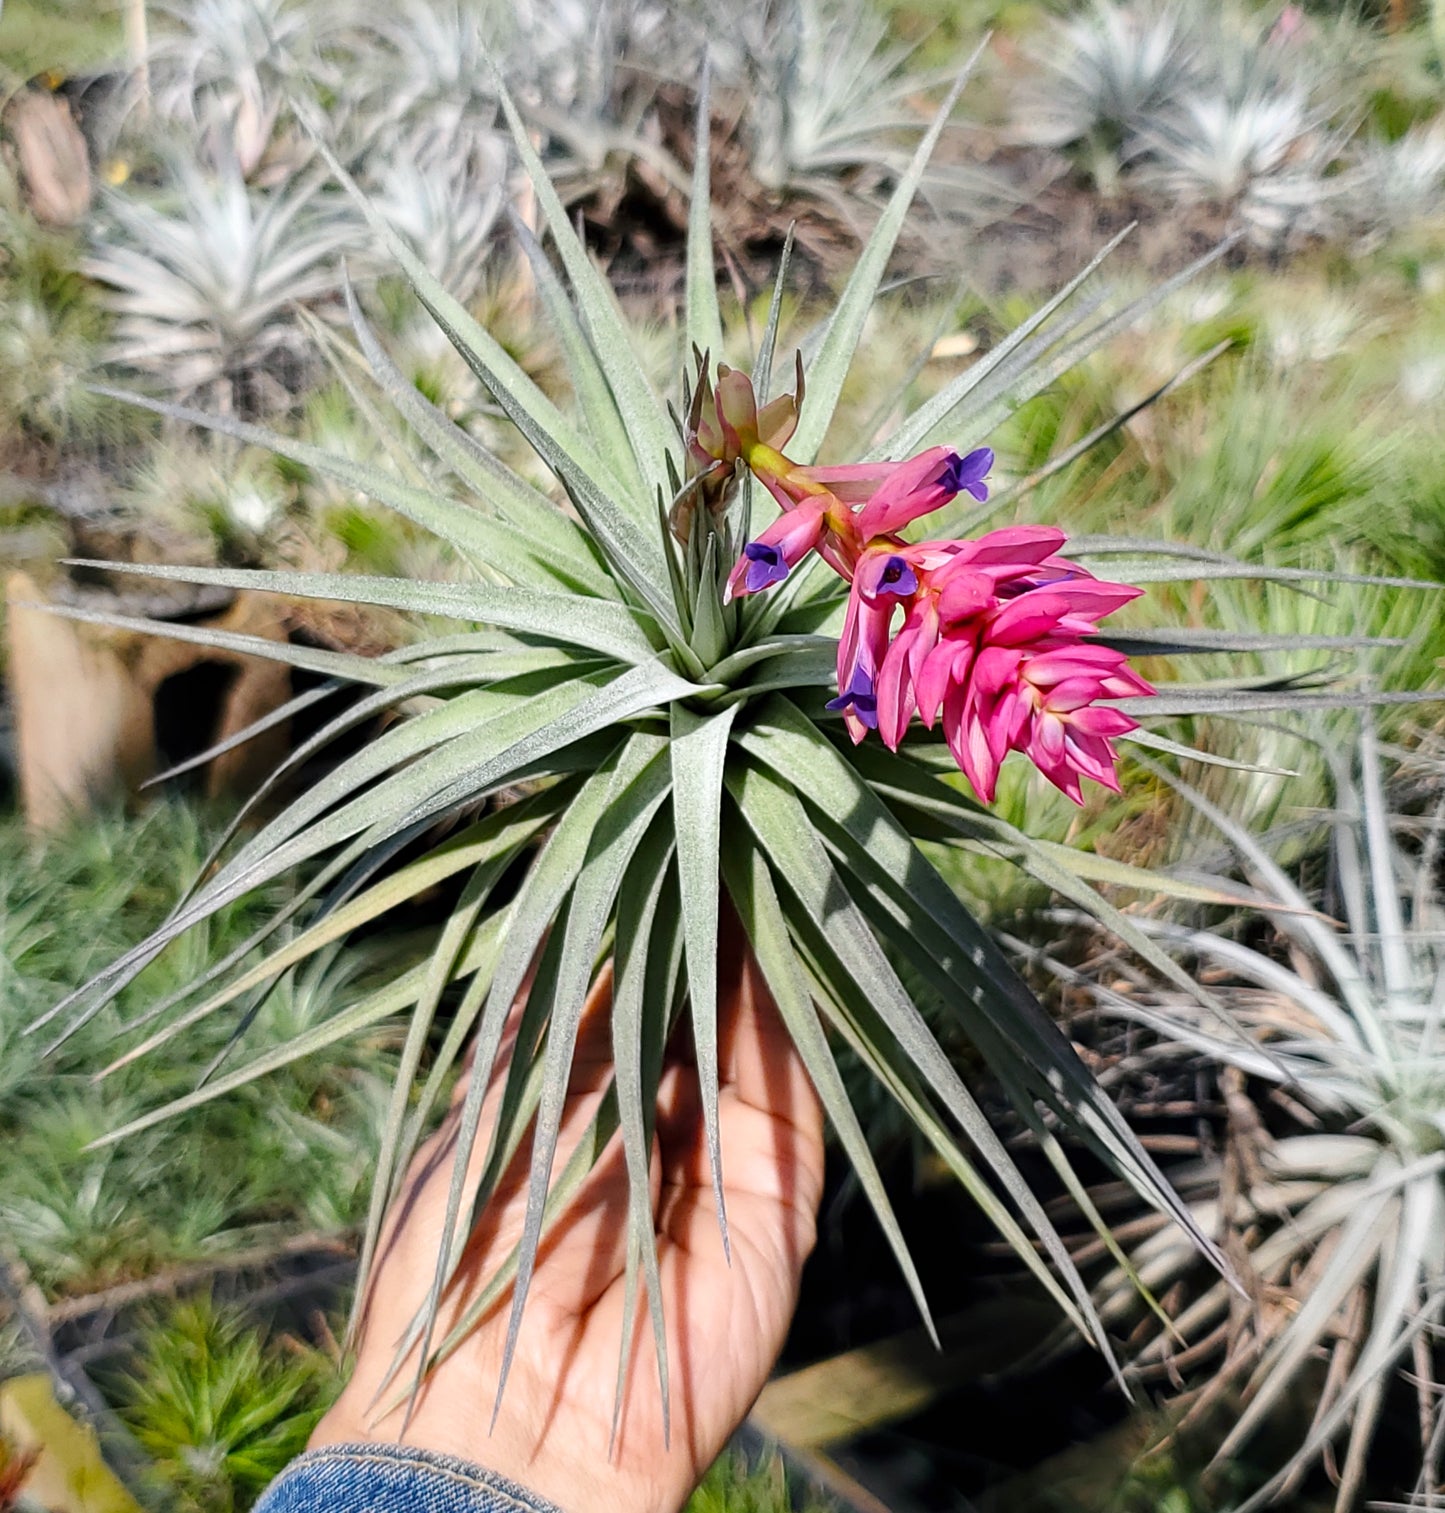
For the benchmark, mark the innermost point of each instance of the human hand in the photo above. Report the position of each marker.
(725, 1323)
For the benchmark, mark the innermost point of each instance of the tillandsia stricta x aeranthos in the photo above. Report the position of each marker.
(609, 744)
(993, 630)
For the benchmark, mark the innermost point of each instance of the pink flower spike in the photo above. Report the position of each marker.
(725, 424)
(948, 663)
(969, 744)
(1105, 668)
(894, 688)
(1028, 618)
(1015, 546)
(861, 650)
(1102, 720)
(920, 486)
(777, 551)
(963, 592)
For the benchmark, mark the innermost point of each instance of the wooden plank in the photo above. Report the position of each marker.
(893, 1379)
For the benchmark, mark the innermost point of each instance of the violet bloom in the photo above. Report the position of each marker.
(778, 550)
(858, 702)
(890, 495)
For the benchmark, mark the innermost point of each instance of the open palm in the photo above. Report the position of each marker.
(726, 1319)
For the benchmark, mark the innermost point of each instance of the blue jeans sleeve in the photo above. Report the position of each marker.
(392, 1479)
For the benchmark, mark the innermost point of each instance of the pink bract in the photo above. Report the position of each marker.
(993, 634)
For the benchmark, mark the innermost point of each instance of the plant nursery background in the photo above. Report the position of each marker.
(172, 1304)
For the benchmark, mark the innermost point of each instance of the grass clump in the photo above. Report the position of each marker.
(239, 1176)
(735, 1486)
(219, 1408)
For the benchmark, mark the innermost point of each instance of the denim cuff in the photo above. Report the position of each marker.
(393, 1479)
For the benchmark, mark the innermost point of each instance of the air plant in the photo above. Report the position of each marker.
(1259, 149)
(445, 205)
(53, 336)
(252, 45)
(204, 285)
(47, 357)
(1337, 1218)
(828, 101)
(621, 725)
(1199, 104)
(587, 77)
(1105, 82)
(1394, 185)
(427, 78)
(227, 66)
(219, 1414)
(229, 493)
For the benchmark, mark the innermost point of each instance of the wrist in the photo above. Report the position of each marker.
(339, 1478)
(560, 1465)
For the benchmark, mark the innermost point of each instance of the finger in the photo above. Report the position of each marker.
(425, 1196)
(757, 1063)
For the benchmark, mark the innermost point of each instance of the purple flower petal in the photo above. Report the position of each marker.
(859, 697)
(966, 474)
(898, 578)
(765, 566)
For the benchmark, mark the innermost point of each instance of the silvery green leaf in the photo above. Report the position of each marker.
(633, 551)
(489, 543)
(640, 1024)
(603, 626)
(619, 831)
(753, 892)
(704, 323)
(699, 761)
(643, 417)
(591, 393)
(490, 480)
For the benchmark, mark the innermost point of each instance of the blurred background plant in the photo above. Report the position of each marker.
(1259, 116)
(204, 281)
(218, 1406)
(52, 341)
(1323, 1043)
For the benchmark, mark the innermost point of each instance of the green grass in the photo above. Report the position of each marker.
(239, 1175)
(63, 36)
(218, 1406)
